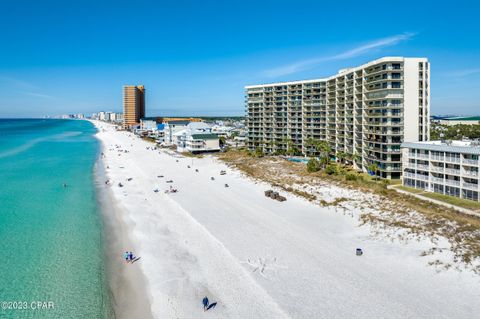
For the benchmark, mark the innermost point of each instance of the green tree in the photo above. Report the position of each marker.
(258, 152)
(342, 156)
(222, 141)
(320, 147)
(313, 165)
(373, 168)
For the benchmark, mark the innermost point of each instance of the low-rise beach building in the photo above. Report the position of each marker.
(444, 167)
(197, 137)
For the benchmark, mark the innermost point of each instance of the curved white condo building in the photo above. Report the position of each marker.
(366, 111)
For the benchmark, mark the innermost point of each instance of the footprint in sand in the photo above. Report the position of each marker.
(262, 266)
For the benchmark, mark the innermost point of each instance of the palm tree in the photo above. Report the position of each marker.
(342, 156)
(322, 148)
(310, 143)
(373, 168)
(353, 158)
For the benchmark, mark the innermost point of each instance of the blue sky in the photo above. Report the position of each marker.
(195, 57)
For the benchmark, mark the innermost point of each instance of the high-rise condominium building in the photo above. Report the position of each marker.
(133, 104)
(365, 112)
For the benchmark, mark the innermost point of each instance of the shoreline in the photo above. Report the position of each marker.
(124, 281)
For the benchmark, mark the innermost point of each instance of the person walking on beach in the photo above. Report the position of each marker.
(130, 257)
(205, 303)
(126, 256)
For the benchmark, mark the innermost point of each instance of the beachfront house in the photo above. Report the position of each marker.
(171, 128)
(197, 137)
(222, 130)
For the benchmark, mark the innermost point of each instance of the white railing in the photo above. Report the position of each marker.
(470, 173)
(470, 161)
(452, 171)
(452, 159)
(437, 179)
(437, 169)
(423, 167)
(452, 182)
(422, 156)
(437, 158)
(422, 177)
(408, 174)
(470, 186)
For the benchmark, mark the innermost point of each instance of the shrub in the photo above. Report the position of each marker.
(258, 152)
(313, 165)
(351, 177)
(331, 169)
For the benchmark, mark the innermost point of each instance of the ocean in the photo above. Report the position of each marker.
(51, 239)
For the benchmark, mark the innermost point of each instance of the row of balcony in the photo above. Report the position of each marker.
(446, 181)
(449, 159)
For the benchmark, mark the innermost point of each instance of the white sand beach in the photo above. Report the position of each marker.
(257, 257)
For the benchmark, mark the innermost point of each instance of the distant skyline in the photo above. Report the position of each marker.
(195, 57)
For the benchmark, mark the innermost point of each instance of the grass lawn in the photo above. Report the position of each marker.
(409, 189)
(465, 203)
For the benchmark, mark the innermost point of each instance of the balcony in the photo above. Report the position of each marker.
(409, 175)
(422, 156)
(422, 177)
(452, 182)
(452, 159)
(422, 167)
(473, 162)
(470, 173)
(470, 186)
(437, 169)
(452, 171)
(411, 165)
(437, 158)
(437, 180)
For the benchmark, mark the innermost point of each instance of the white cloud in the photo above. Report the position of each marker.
(16, 82)
(44, 96)
(463, 73)
(306, 64)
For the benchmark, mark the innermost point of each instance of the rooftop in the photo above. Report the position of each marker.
(340, 72)
(466, 147)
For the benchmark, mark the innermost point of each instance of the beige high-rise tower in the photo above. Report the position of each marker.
(133, 104)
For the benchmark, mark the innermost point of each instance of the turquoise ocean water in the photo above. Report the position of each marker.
(50, 235)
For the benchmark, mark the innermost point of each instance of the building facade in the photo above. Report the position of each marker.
(449, 168)
(197, 137)
(366, 112)
(133, 104)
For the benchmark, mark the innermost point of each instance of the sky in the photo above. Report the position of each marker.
(196, 57)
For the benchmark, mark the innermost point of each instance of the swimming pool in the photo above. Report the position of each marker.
(298, 160)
